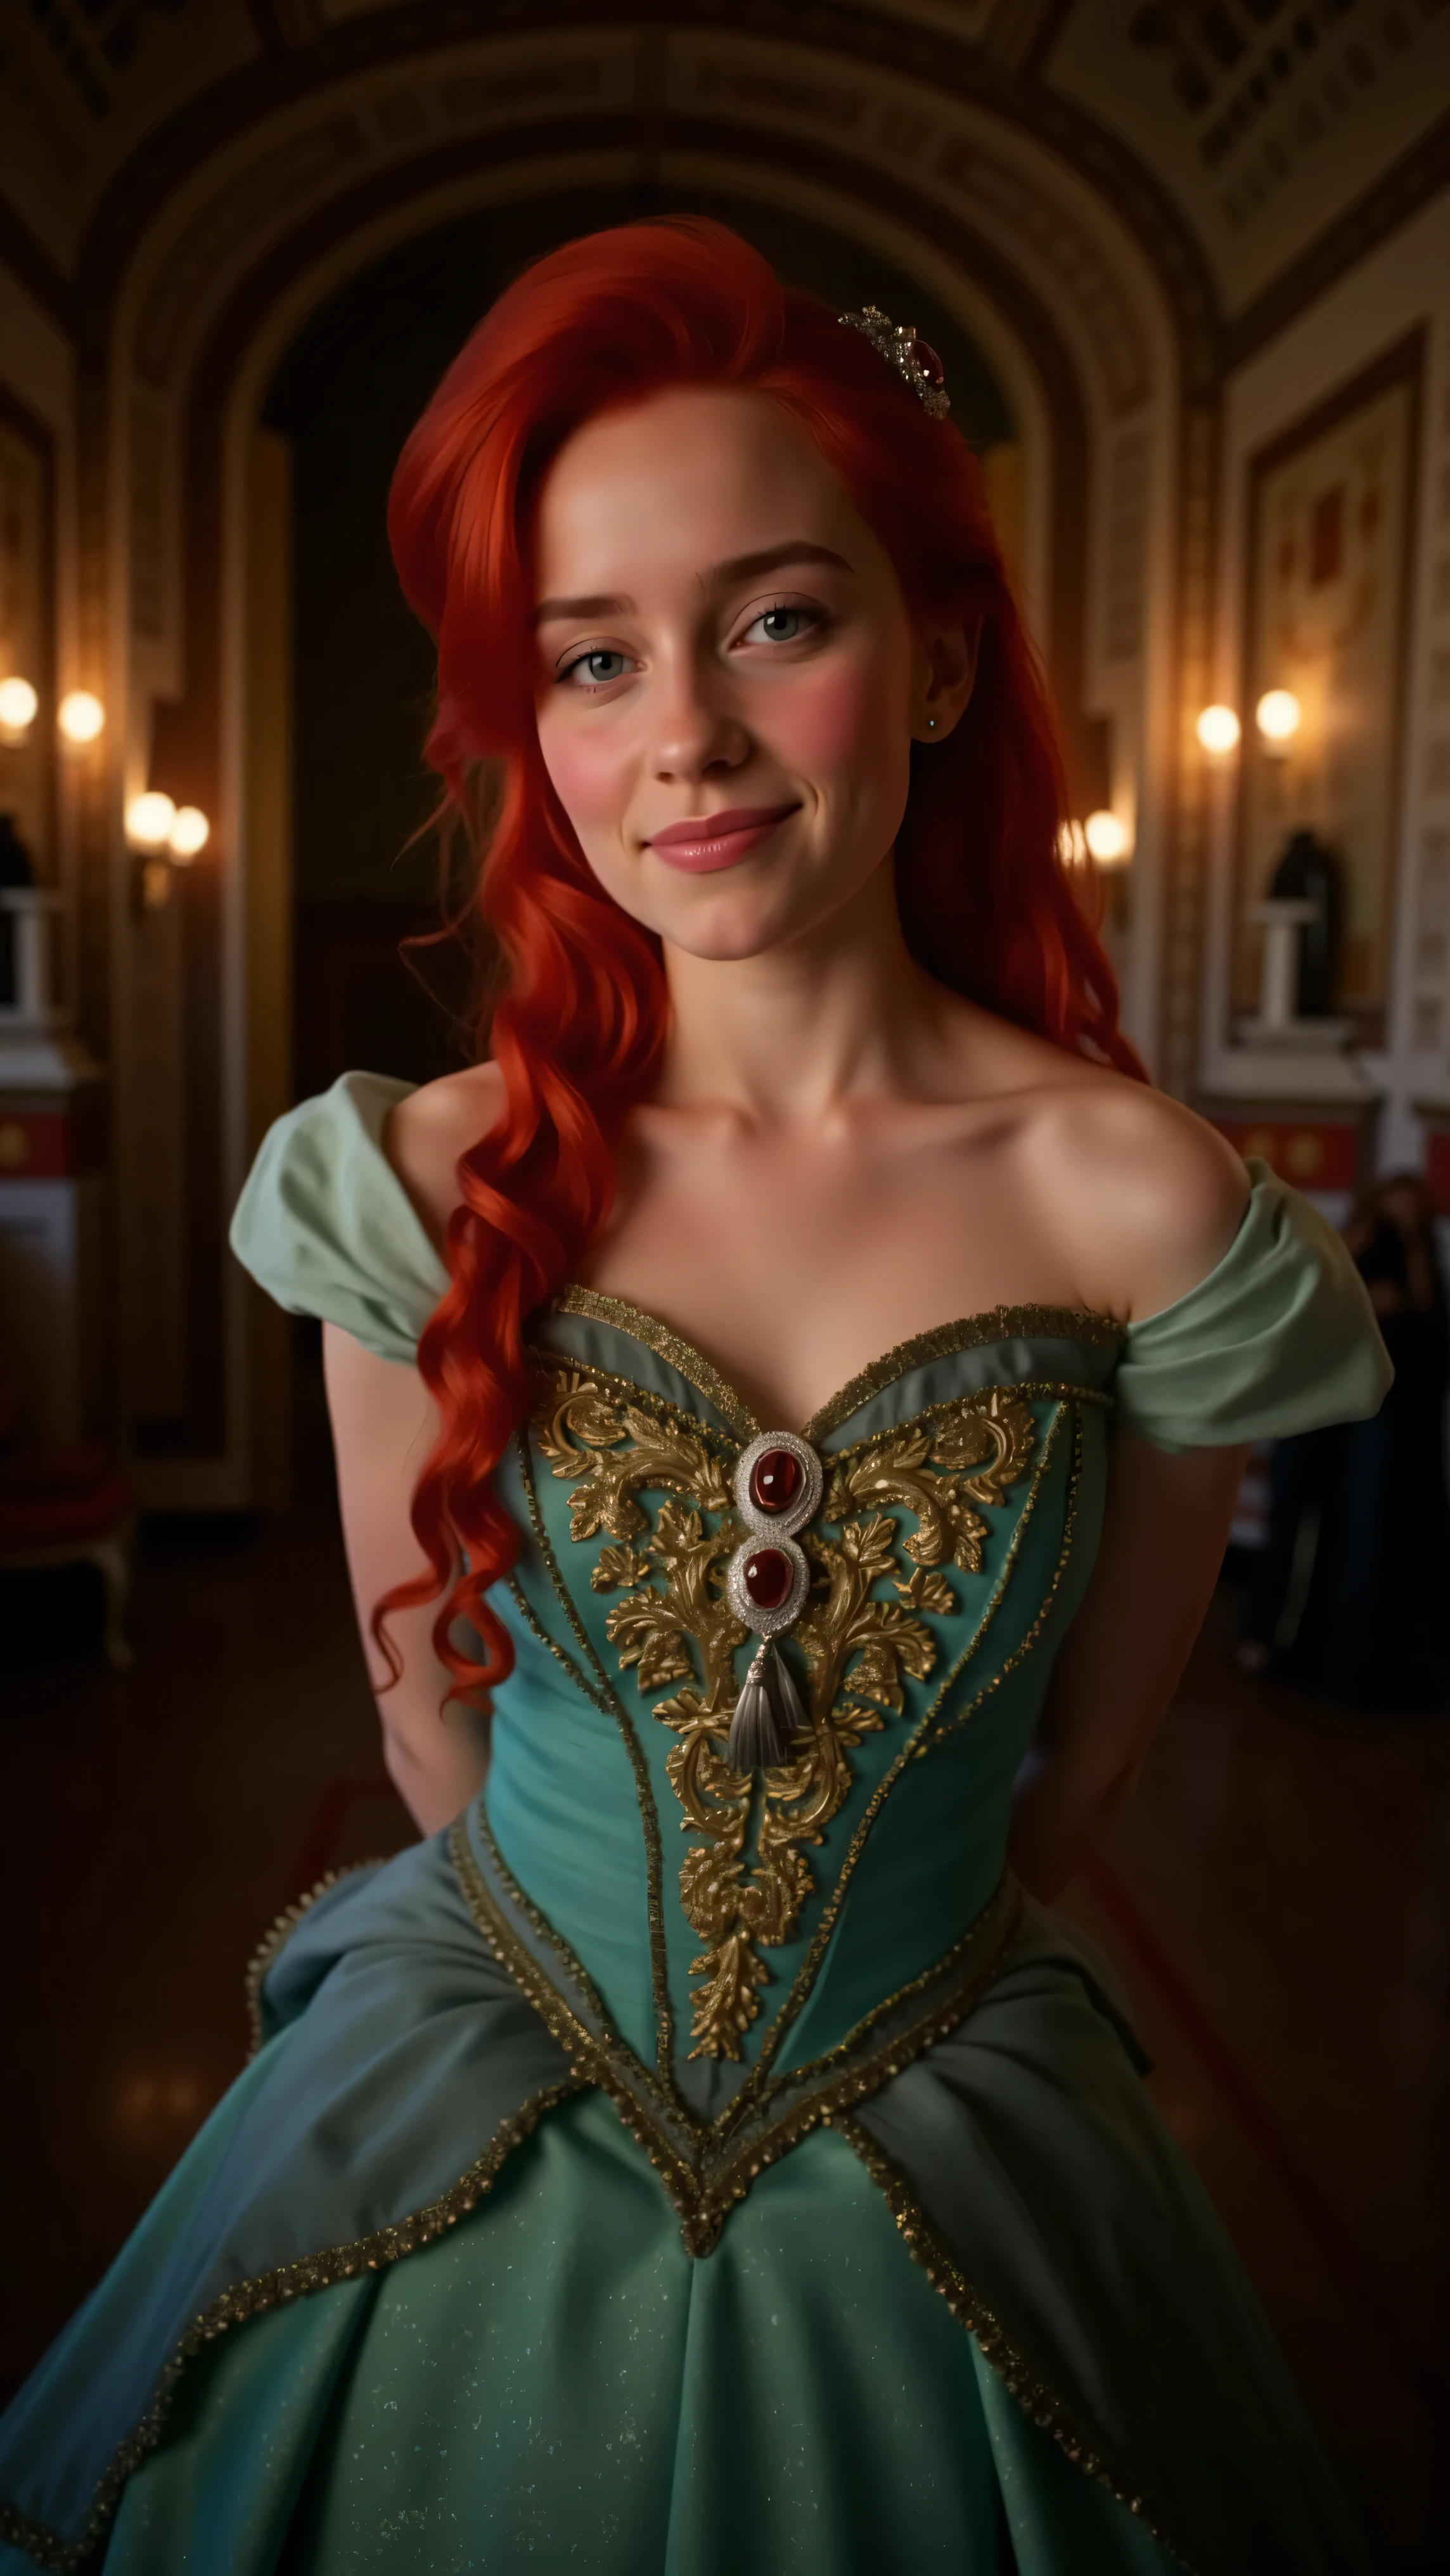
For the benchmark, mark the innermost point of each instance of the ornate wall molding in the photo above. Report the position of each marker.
(1395, 199)
(956, 54)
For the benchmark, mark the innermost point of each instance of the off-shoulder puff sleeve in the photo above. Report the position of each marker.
(325, 1226)
(1281, 1337)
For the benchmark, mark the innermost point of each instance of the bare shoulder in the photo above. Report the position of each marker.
(431, 1127)
(1145, 1197)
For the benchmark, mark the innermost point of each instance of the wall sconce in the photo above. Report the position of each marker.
(1278, 716)
(149, 819)
(165, 836)
(80, 717)
(190, 832)
(1107, 838)
(19, 705)
(1218, 730)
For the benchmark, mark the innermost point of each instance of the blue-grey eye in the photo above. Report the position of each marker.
(597, 669)
(781, 625)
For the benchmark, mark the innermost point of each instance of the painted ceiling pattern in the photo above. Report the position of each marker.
(1262, 120)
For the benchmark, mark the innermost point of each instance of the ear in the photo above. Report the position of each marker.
(944, 677)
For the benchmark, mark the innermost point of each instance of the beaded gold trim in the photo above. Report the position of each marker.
(681, 1355)
(246, 2299)
(603, 1700)
(930, 1729)
(942, 1341)
(936, 2260)
(573, 1973)
(969, 1333)
(272, 1944)
(707, 2167)
(1032, 1390)
(662, 1409)
(705, 2135)
(654, 1856)
(753, 2097)
(1025, 1644)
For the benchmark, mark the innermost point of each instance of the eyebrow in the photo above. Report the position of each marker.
(739, 568)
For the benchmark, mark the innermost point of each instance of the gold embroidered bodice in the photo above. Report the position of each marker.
(732, 1920)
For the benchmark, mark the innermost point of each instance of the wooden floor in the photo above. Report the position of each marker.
(1275, 1901)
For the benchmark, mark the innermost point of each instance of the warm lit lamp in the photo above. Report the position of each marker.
(1071, 845)
(150, 820)
(1218, 730)
(18, 706)
(1278, 716)
(190, 832)
(1107, 838)
(80, 716)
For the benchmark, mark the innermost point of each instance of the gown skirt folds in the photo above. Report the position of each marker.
(668, 2170)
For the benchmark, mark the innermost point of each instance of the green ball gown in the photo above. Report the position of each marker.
(667, 2171)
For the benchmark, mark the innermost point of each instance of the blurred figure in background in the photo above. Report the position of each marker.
(1373, 1626)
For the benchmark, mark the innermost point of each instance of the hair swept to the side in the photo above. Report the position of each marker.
(580, 1018)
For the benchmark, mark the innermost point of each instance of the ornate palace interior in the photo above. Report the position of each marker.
(1188, 265)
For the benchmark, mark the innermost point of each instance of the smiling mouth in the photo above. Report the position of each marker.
(710, 841)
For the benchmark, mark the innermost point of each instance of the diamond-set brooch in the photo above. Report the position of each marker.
(778, 1488)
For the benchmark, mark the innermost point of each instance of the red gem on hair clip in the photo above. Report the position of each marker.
(928, 361)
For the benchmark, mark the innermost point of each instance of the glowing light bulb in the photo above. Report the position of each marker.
(80, 716)
(189, 833)
(1278, 715)
(18, 705)
(149, 820)
(1218, 730)
(1106, 837)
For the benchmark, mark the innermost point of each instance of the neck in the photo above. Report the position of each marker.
(842, 1010)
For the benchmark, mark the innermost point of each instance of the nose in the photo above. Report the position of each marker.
(697, 735)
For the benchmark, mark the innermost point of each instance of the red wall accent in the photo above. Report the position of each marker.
(1312, 1153)
(1437, 1166)
(52, 1144)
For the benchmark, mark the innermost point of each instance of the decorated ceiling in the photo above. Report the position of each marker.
(1262, 123)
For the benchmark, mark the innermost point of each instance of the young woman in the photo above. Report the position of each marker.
(704, 2149)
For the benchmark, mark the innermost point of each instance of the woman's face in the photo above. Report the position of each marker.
(728, 681)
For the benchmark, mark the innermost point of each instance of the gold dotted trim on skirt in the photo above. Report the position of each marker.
(936, 2260)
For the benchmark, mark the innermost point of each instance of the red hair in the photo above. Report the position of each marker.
(580, 1020)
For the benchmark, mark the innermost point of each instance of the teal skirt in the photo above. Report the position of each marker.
(985, 2321)
(558, 2384)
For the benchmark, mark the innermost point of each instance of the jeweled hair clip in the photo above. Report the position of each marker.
(903, 348)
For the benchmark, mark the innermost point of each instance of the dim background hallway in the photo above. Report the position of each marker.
(1275, 1902)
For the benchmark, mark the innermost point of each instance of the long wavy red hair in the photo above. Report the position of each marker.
(579, 1015)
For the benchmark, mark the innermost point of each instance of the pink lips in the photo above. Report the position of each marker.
(709, 841)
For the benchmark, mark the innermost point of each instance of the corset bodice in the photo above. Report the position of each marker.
(720, 1916)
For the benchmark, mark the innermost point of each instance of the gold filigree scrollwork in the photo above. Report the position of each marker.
(938, 1470)
(943, 1469)
(578, 1427)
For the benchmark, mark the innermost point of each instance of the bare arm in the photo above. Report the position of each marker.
(1165, 1527)
(383, 1424)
